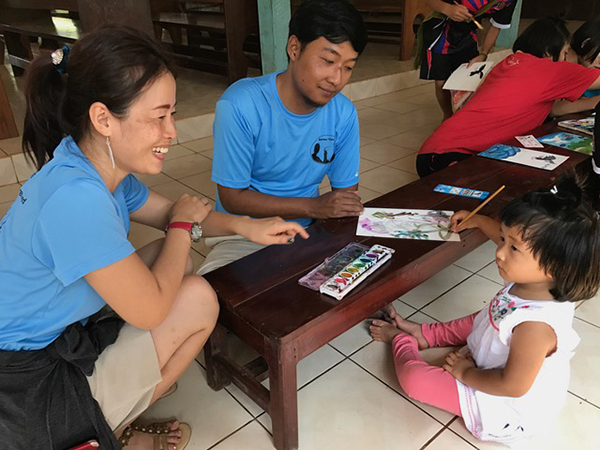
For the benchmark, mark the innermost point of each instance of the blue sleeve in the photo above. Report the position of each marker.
(344, 170)
(234, 147)
(79, 230)
(135, 192)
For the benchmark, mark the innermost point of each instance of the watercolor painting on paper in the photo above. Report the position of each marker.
(429, 225)
(569, 141)
(526, 157)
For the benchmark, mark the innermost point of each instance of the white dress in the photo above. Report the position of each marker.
(507, 419)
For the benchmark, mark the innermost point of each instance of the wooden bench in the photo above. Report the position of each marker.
(222, 39)
(263, 304)
(21, 20)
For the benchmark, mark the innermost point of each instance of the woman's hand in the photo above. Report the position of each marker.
(458, 217)
(271, 230)
(457, 364)
(190, 209)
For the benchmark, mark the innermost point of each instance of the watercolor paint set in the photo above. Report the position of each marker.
(354, 273)
(332, 265)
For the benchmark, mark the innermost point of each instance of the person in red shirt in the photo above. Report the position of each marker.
(517, 95)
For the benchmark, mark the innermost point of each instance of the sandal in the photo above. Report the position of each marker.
(159, 431)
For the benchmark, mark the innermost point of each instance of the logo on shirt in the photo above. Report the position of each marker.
(322, 150)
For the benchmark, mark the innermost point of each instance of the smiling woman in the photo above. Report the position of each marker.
(78, 303)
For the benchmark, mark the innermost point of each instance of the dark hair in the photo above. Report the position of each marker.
(563, 232)
(586, 40)
(335, 20)
(544, 37)
(111, 65)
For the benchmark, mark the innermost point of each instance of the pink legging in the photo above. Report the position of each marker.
(421, 381)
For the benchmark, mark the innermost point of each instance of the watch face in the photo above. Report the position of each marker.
(196, 232)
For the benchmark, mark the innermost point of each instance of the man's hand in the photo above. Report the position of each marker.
(335, 204)
(270, 230)
(457, 364)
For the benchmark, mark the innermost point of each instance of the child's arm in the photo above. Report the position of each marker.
(489, 226)
(562, 107)
(457, 13)
(531, 343)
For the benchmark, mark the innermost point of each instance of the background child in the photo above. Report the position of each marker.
(514, 377)
(449, 39)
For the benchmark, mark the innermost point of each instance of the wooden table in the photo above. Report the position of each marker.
(262, 302)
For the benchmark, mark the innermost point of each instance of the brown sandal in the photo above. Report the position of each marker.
(159, 431)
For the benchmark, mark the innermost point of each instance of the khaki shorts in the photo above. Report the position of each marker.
(125, 376)
(226, 249)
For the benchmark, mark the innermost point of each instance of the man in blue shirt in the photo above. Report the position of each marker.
(279, 135)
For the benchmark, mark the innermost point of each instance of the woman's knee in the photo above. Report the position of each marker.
(199, 301)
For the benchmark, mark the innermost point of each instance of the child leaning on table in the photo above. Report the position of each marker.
(513, 378)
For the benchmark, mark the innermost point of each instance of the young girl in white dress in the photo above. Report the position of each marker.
(513, 377)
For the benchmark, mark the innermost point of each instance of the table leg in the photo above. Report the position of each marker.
(216, 345)
(283, 406)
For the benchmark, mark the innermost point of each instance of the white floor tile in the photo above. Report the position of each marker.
(434, 287)
(212, 415)
(590, 310)
(253, 436)
(585, 365)
(491, 273)
(478, 258)
(466, 298)
(349, 409)
(448, 440)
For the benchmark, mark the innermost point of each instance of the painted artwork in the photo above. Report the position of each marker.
(526, 157)
(569, 141)
(468, 78)
(428, 225)
(581, 125)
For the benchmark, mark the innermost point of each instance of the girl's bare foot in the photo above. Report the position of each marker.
(142, 441)
(408, 326)
(383, 331)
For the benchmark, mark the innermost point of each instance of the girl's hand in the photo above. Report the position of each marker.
(271, 230)
(458, 13)
(457, 218)
(457, 364)
(190, 209)
(479, 58)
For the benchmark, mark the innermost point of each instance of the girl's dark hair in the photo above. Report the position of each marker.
(111, 65)
(563, 232)
(544, 37)
(335, 20)
(586, 40)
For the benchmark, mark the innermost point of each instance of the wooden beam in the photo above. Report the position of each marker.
(135, 13)
(8, 128)
(273, 19)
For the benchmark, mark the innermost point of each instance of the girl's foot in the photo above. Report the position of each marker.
(144, 441)
(383, 331)
(408, 326)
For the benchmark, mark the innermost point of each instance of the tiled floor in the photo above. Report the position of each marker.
(348, 394)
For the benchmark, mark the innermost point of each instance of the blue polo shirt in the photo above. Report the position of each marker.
(64, 224)
(261, 145)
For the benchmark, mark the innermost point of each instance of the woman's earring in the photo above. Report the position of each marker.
(110, 152)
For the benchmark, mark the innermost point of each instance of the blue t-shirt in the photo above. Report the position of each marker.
(64, 224)
(261, 145)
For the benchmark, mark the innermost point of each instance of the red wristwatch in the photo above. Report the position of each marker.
(194, 229)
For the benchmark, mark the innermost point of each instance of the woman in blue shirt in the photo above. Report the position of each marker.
(95, 115)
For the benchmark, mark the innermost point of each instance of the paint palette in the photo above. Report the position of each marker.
(332, 265)
(356, 272)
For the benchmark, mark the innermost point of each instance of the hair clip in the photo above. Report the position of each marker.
(60, 58)
(554, 190)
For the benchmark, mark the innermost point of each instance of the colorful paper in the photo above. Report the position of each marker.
(406, 224)
(582, 125)
(526, 157)
(574, 142)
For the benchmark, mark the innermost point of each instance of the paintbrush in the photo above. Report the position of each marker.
(485, 202)
(473, 20)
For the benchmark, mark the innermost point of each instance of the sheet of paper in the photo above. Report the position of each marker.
(468, 79)
(569, 141)
(406, 224)
(529, 141)
(581, 125)
(532, 158)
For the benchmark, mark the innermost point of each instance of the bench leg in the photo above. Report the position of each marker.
(283, 406)
(216, 344)
(18, 46)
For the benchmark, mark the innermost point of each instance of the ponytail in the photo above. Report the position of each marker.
(44, 93)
